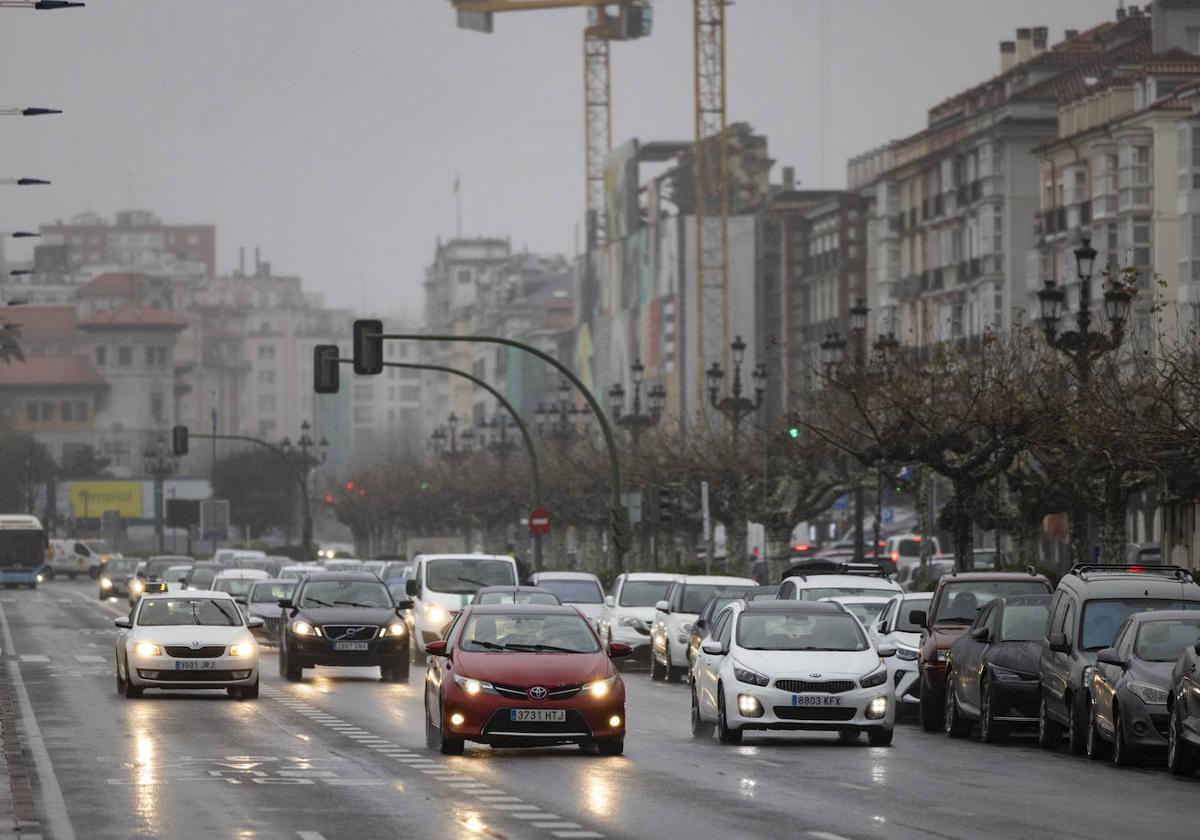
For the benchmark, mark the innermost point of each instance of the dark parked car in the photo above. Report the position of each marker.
(202, 574)
(343, 619)
(711, 607)
(515, 595)
(956, 603)
(1131, 682)
(992, 671)
(1183, 704)
(1090, 605)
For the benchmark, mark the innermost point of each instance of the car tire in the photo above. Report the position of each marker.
(931, 709)
(611, 746)
(1123, 755)
(1181, 758)
(725, 734)
(1079, 714)
(245, 692)
(102, 596)
(1049, 730)
(700, 727)
(132, 692)
(879, 736)
(990, 732)
(395, 671)
(1097, 748)
(291, 670)
(672, 673)
(657, 672)
(94, 572)
(447, 746)
(953, 723)
(120, 681)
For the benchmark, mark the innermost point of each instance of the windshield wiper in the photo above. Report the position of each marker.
(471, 581)
(551, 648)
(488, 645)
(356, 604)
(317, 601)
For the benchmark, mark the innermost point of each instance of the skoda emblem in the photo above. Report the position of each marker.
(537, 693)
(194, 645)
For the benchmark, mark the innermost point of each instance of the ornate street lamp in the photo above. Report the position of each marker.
(635, 421)
(736, 407)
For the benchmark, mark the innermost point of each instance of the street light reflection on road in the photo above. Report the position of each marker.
(599, 792)
(747, 788)
(145, 795)
(471, 821)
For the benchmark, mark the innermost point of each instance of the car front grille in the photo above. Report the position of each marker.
(188, 676)
(185, 652)
(500, 722)
(818, 713)
(349, 632)
(560, 693)
(806, 687)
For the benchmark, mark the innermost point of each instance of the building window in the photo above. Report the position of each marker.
(81, 412)
(156, 407)
(65, 412)
(101, 356)
(362, 414)
(161, 354)
(266, 377)
(266, 352)
(124, 356)
(31, 412)
(47, 411)
(1192, 36)
(150, 357)
(410, 393)
(266, 402)
(464, 275)
(362, 392)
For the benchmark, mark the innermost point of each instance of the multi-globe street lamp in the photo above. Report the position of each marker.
(459, 443)
(736, 407)
(560, 419)
(635, 421)
(493, 436)
(306, 455)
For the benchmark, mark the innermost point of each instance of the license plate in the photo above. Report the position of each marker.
(538, 715)
(196, 665)
(350, 646)
(815, 700)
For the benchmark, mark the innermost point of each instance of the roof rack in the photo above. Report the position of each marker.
(1176, 572)
(823, 566)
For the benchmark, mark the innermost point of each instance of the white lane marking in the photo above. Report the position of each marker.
(852, 786)
(310, 835)
(580, 834)
(489, 798)
(826, 835)
(521, 807)
(58, 820)
(532, 815)
(90, 659)
(31, 657)
(558, 824)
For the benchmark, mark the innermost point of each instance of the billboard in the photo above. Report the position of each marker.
(90, 499)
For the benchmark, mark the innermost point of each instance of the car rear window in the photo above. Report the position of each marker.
(269, 593)
(574, 591)
(1024, 622)
(844, 592)
(1102, 618)
(696, 595)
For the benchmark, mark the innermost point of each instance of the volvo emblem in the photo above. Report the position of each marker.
(538, 693)
(349, 633)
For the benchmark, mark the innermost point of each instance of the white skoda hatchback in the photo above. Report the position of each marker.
(791, 665)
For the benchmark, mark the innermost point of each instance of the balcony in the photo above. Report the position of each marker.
(1085, 212)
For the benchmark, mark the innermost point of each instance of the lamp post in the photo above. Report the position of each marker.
(307, 455)
(493, 436)
(160, 465)
(736, 407)
(1083, 345)
(635, 422)
(560, 418)
(449, 434)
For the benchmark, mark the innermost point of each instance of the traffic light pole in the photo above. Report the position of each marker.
(308, 523)
(618, 515)
(533, 461)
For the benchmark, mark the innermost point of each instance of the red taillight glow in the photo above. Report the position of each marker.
(1137, 569)
(800, 547)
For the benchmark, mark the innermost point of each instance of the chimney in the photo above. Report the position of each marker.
(1024, 44)
(257, 261)
(242, 261)
(1071, 34)
(1008, 55)
(789, 177)
(1120, 13)
(1041, 35)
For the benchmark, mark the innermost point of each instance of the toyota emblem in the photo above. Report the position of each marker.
(537, 693)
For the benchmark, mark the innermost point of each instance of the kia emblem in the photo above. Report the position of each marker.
(815, 676)
(537, 693)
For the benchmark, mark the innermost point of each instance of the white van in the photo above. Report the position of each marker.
(442, 584)
(79, 557)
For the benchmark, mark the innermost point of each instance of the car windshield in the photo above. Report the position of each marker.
(903, 625)
(865, 612)
(467, 575)
(210, 612)
(234, 586)
(543, 598)
(643, 593)
(844, 592)
(799, 631)
(1102, 619)
(696, 595)
(961, 601)
(269, 593)
(177, 574)
(1024, 622)
(201, 578)
(394, 570)
(1163, 640)
(155, 569)
(345, 593)
(123, 566)
(98, 546)
(528, 633)
(908, 548)
(574, 591)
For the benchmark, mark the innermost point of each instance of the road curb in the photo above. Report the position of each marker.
(18, 807)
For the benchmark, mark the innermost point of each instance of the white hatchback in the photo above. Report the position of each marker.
(188, 641)
(581, 590)
(893, 629)
(629, 611)
(675, 615)
(780, 665)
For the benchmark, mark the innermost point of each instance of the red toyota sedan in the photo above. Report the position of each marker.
(523, 675)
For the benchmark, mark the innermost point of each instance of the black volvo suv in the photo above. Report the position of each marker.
(343, 619)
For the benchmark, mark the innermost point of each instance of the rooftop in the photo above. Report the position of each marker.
(63, 371)
(135, 317)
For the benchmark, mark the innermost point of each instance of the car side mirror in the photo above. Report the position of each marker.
(981, 634)
(712, 647)
(663, 606)
(883, 628)
(410, 588)
(618, 649)
(1058, 643)
(610, 601)
(918, 617)
(1109, 656)
(436, 648)
(123, 623)
(285, 603)
(885, 651)
(1196, 647)
(254, 622)
(404, 604)
(700, 624)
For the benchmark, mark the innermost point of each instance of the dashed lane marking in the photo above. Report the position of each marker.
(559, 824)
(90, 659)
(577, 834)
(34, 657)
(310, 835)
(826, 835)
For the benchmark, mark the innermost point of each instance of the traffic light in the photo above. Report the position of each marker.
(179, 440)
(666, 505)
(326, 378)
(794, 425)
(368, 347)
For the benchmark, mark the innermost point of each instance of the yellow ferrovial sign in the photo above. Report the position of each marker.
(90, 499)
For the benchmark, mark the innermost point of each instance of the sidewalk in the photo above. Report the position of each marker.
(18, 809)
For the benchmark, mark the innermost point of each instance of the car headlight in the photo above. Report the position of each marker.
(242, 649)
(436, 614)
(397, 629)
(600, 688)
(147, 649)
(136, 586)
(943, 655)
(474, 687)
(1008, 675)
(744, 674)
(105, 583)
(1147, 693)
(908, 654)
(303, 628)
(874, 678)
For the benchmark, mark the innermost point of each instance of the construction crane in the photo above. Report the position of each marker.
(609, 20)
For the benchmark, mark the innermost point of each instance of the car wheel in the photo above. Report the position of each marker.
(879, 737)
(1049, 730)
(1180, 758)
(1078, 716)
(102, 596)
(989, 731)
(656, 670)
(1123, 754)
(1096, 747)
(247, 692)
(953, 724)
(432, 737)
(672, 673)
(724, 734)
(291, 670)
(395, 671)
(931, 709)
(700, 727)
(120, 681)
(611, 746)
(94, 572)
(132, 692)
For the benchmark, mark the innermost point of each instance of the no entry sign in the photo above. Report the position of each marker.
(539, 522)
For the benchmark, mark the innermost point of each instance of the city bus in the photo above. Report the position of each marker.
(23, 548)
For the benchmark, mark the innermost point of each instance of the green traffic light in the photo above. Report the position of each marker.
(794, 432)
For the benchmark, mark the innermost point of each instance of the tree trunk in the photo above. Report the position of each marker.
(961, 507)
(1114, 536)
(919, 504)
(1078, 516)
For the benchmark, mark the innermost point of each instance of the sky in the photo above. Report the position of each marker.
(330, 134)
